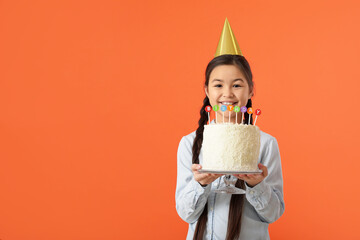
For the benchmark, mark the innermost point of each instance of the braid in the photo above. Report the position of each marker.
(199, 132)
(201, 223)
(246, 115)
(235, 212)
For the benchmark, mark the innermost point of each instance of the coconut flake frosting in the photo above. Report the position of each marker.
(230, 147)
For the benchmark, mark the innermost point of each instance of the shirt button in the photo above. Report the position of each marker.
(212, 209)
(215, 184)
(252, 192)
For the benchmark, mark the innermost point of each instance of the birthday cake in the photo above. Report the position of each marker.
(230, 147)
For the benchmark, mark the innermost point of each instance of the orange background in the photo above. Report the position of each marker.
(96, 95)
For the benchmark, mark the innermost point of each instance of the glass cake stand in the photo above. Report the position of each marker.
(230, 183)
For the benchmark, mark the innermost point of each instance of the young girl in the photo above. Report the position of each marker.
(225, 216)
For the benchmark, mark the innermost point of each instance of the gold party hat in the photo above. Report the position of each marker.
(227, 43)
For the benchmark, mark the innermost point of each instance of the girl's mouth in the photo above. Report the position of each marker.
(228, 103)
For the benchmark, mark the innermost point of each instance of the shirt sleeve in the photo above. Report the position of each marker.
(190, 196)
(267, 196)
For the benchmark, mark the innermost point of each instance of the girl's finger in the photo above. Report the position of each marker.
(195, 167)
(264, 169)
(202, 176)
(243, 178)
(249, 176)
(254, 176)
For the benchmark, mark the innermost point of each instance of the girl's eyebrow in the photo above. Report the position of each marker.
(237, 79)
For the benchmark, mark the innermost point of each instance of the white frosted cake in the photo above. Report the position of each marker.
(230, 147)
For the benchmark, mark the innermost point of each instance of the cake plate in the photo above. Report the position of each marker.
(230, 183)
(229, 172)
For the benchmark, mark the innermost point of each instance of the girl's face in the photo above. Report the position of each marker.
(228, 86)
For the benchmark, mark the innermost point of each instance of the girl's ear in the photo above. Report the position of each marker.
(206, 92)
(251, 95)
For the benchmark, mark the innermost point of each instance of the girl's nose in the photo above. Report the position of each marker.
(228, 93)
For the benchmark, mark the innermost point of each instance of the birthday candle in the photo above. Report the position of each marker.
(208, 109)
(223, 109)
(230, 108)
(243, 110)
(249, 111)
(216, 108)
(257, 113)
(236, 109)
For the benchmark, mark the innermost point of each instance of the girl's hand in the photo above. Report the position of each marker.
(203, 178)
(253, 179)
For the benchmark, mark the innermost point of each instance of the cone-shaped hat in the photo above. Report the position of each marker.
(227, 43)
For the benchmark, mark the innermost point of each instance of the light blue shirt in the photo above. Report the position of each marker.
(263, 203)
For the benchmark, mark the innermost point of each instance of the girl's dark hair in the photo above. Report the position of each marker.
(237, 200)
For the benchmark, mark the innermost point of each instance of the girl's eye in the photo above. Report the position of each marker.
(237, 85)
(219, 85)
